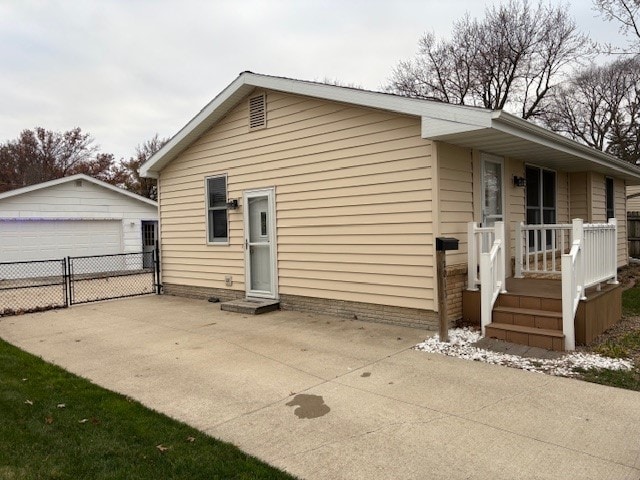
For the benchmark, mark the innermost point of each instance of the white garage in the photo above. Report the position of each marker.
(74, 216)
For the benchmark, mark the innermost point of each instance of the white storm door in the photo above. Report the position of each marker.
(492, 190)
(260, 243)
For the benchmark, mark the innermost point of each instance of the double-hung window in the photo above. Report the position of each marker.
(217, 223)
(610, 198)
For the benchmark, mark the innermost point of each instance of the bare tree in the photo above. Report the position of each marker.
(601, 108)
(512, 58)
(627, 14)
(129, 170)
(39, 155)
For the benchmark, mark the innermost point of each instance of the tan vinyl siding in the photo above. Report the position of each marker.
(515, 205)
(579, 196)
(598, 198)
(563, 209)
(620, 210)
(455, 197)
(353, 200)
(633, 198)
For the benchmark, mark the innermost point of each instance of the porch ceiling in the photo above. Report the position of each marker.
(515, 138)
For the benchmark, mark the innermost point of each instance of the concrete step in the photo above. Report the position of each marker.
(250, 306)
(528, 317)
(549, 339)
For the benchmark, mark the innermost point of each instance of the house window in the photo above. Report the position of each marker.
(541, 200)
(610, 198)
(217, 224)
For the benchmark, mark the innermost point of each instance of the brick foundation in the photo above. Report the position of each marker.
(368, 312)
(203, 293)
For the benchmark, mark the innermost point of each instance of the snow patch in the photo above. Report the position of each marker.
(460, 346)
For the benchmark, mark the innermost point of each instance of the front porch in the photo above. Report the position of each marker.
(530, 313)
(564, 291)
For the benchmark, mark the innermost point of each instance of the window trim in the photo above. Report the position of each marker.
(207, 209)
(606, 198)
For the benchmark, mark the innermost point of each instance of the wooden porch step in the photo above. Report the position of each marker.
(549, 339)
(529, 302)
(527, 317)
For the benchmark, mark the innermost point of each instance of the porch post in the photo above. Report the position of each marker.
(614, 251)
(499, 235)
(577, 232)
(518, 272)
(472, 260)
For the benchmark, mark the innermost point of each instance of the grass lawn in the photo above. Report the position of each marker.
(55, 425)
(621, 341)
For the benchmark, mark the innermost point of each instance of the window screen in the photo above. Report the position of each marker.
(217, 230)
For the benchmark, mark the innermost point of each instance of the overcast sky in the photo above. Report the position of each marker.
(123, 70)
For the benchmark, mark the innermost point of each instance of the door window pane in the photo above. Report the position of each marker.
(492, 208)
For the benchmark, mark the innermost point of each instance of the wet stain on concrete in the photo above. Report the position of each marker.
(366, 374)
(309, 406)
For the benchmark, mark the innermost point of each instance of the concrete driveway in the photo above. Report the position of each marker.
(327, 398)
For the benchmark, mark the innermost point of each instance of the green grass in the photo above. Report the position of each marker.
(99, 434)
(629, 380)
(624, 345)
(631, 301)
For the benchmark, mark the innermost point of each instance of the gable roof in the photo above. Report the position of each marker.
(493, 131)
(73, 178)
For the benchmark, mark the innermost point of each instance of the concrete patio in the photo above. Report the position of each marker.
(327, 398)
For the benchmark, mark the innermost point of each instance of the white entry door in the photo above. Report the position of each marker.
(260, 243)
(492, 191)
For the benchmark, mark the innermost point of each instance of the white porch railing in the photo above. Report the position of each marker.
(492, 266)
(539, 247)
(583, 255)
(479, 241)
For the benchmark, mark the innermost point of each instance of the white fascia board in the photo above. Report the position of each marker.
(366, 98)
(433, 128)
(518, 127)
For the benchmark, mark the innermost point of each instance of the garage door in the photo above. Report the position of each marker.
(47, 239)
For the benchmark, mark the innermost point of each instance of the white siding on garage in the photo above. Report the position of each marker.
(72, 218)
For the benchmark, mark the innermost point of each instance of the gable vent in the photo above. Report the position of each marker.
(257, 112)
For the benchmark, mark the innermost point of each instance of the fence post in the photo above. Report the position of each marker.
(472, 260)
(68, 280)
(156, 262)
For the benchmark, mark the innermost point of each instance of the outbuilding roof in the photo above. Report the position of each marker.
(492, 131)
(73, 178)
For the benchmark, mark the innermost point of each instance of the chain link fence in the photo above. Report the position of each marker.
(104, 277)
(32, 286)
(45, 284)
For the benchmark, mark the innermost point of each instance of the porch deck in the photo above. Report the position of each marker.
(547, 288)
